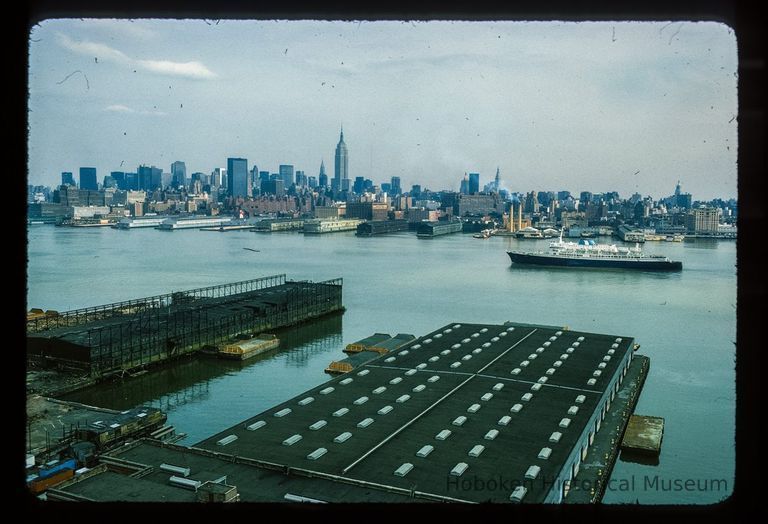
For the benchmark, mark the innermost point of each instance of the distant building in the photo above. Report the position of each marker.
(301, 179)
(416, 191)
(178, 174)
(395, 186)
(477, 205)
(286, 173)
(67, 179)
(473, 186)
(119, 178)
(704, 220)
(341, 165)
(367, 210)
(219, 177)
(237, 177)
(88, 178)
(149, 177)
(312, 182)
(574, 219)
(272, 187)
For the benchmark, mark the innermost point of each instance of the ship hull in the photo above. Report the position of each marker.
(547, 260)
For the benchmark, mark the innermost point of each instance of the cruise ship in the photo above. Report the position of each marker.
(586, 253)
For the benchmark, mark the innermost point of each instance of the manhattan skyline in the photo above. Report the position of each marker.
(624, 106)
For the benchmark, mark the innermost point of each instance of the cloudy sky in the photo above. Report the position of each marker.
(624, 106)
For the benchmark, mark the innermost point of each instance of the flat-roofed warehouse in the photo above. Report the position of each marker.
(513, 403)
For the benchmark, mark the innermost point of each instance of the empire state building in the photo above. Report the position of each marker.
(341, 168)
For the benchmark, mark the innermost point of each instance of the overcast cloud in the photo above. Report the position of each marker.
(577, 106)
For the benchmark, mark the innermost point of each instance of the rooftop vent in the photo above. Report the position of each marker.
(425, 450)
(498, 386)
(444, 434)
(510, 328)
(495, 339)
(546, 344)
(476, 451)
(305, 401)
(542, 380)
(565, 422)
(170, 468)
(475, 335)
(552, 338)
(532, 356)
(487, 344)
(447, 330)
(516, 408)
(419, 388)
(445, 352)
(404, 469)
(536, 387)
(396, 380)
(345, 381)
(390, 359)
(555, 437)
(474, 408)
(466, 357)
(611, 351)
(484, 330)
(319, 452)
(503, 421)
(365, 423)
(363, 372)
(492, 434)
(456, 346)
(524, 363)
(379, 390)
(569, 350)
(433, 378)
(410, 372)
(428, 341)
(559, 333)
(557, 363)
(185, 483)
(564, 356)
(527, 397)
(293, 439)
(573, 410)
(545, 453)
(618, 339)
(455, 365)
(385, 410)
(416, 346)
(256, 425)
(515, 371)
(438, 335)
(601, 365)
(403, 352)
(614, 346)
(532, 472)
(326, 390)
(283, 412)
(226, 440)
(317, 425)
(343, 437)
(434, 359)
(576, 344)
(518, 494)
(591, 382)
(459, 469)
(503, 334)
(607, 358)
(580, 399)
(539, 350)
(403, 398)
(476, 351)
(340, 412)
(360, 401)
(597, 373)
(580, 339)
(421, 366)
(458, 421)
(550, 371)
(464, 341)
(456, 326)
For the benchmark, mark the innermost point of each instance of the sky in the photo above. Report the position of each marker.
(578, 106)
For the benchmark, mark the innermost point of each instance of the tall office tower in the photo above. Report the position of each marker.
(219, 177)
(474, 183)
(341, 167)
(119, 177)
(178, 174)
(312, 182)
(497, 181)
(301, 179)
(88, 178)
(464, 187)
(67, 179)
(237, 178)
(395, 186)
(286, 174)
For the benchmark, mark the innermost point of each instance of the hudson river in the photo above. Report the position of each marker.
(685, 322)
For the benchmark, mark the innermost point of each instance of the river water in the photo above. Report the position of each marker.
(684, 321)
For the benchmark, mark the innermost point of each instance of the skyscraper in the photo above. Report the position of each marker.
(286, 173)
(464, 187)
(237, 177)
(67, 179)
(497, 181)
(88, 178)
(322, 178)
(341, 167)
(178, 174)
(474, 183)
(395, 186)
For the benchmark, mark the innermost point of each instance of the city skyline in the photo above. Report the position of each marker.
(624, 106)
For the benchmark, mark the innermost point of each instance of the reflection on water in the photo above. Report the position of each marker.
(188, 380)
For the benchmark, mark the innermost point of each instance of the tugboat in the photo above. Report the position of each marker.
(586, 253)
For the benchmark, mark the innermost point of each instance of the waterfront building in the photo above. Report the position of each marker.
(704, 220)
(367, 210)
